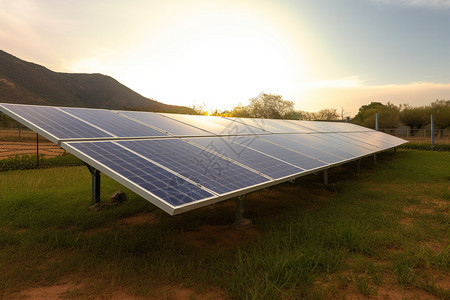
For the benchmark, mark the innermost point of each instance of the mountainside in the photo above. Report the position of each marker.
(28, 83)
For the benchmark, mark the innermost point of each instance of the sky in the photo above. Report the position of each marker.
(219, 54)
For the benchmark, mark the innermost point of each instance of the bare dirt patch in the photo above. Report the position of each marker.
(58, 291)
(142, 218)
(418, 209)
(433, 246)
(126, 223)
(8, 149)
(181, 293)
(72, 290)
(444, 282)
(220, 236)
(397, 292)
(406, 221)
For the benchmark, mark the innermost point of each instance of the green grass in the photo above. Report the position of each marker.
(24, 162)
(388, 225)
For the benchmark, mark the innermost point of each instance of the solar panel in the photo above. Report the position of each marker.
(291, 143)
(181, 162)
(164, 123)
(258, 161)
(319, 144)
(217, 125)
(165, 188)
(295, 157)
(52, 123)
(273, 126)
(342, 144)
(387, 140)
(353, 139)
(319, 126)
(199, 165)
(113, 123)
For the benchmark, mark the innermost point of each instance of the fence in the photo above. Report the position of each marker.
(441, 136)
(23, 141)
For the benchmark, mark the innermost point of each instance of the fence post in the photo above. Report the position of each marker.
(376, 121)
(37, 151)
(432, 130)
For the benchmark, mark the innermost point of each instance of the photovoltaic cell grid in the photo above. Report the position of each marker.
(52, 123)
(217, 125)
(111, 122)
(199, 165)
(137, 170)
(258, 161)
(164, 123)
(181, 162)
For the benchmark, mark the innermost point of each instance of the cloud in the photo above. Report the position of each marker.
(418, 3)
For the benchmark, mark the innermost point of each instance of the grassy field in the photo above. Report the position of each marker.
(383, 233)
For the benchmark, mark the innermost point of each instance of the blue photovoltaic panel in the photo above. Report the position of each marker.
(348, 145)
(143, 173)
(199, 165)
(317, 142)
(113, 123)
(287, 155)
(273, 126)
(56, 122)
(296, 143)
(249, 157)
(352, 138)
(383, 140)
(164, 123)
(368, 138)
(321, 126)
(217, 125)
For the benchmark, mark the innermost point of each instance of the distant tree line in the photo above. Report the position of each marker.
(392, 116)
(271, 106)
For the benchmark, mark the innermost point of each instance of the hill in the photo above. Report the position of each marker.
(28, 83)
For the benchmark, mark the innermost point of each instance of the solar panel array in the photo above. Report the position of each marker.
(181, 162)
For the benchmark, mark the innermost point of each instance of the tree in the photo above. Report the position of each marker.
(199, 109)
(441, 113)
(415, 117)
(366, 110)
(388, 115)
(305, 115)
(270, 107)
(327, 114)
(240, 111)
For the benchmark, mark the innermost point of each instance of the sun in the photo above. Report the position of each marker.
(218, 56)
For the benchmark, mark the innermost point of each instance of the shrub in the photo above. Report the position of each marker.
(426, 146)
(23, 162)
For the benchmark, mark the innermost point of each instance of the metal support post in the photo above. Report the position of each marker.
(37, 151)
(240, 221)
(325, 176)
(376, 121)
(95, 184)
(239, 208)
(375, 157)
(432, 130)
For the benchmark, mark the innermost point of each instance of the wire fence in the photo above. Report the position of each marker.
(441, 136)
(23, 141)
